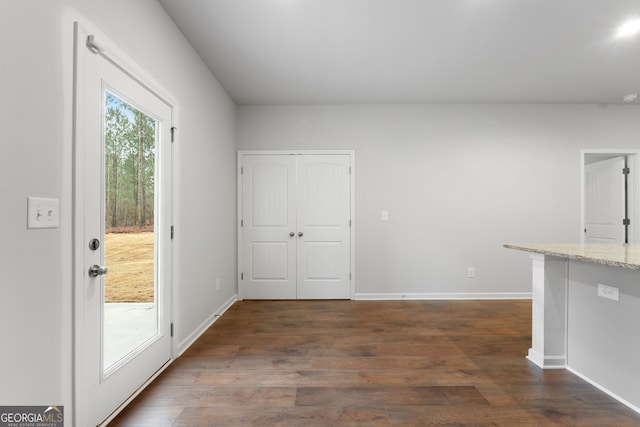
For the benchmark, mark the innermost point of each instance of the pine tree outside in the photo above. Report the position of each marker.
(129, 160)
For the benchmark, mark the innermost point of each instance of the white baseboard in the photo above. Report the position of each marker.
(547, 362)
(443, 296)
(598, 386)
(192, 337)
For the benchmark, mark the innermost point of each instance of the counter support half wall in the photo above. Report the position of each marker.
(586, 314)
(549, 312)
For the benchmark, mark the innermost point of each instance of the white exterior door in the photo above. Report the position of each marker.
(122, 280)
(295, 226)
(605, 201)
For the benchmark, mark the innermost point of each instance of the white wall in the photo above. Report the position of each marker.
(458, 181)
(34, 303)
(36, 40)
(602, 335)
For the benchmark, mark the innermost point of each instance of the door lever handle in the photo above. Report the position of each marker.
(96, 270)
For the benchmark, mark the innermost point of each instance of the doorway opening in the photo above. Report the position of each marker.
(296, 228)
(609, 198)
(122, 222)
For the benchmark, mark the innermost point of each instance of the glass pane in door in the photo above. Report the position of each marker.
(130, 313)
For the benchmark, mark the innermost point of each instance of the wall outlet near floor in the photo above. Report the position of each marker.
(471, 272)
(608, 292)
(218, 284)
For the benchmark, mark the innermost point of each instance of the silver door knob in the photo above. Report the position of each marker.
(292, 234)
(300, 234)
(96, 270)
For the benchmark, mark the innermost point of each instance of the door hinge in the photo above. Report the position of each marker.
(349, 223)
(241, 171)
(172, 232)
(241, 276)
(626, 221)
(625, 171)
(173, 133)
(349, 276)
(349, 170)
(241, 223)
(171, 328)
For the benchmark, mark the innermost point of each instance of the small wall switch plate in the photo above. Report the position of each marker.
(42, 213)
(471, 272)
(384, 215)
(217, 284)
(608, 292)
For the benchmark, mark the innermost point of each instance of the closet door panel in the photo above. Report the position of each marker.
(323, 212)
(269, 217)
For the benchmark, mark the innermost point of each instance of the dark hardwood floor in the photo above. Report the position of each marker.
(391, 363)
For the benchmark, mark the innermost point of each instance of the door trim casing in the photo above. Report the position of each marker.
(130, 67)
(352, 161)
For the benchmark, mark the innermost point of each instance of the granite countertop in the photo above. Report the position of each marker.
(615, 255)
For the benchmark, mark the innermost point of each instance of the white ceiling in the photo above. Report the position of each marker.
(414, 51)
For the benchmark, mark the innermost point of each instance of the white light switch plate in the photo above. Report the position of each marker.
(42, 213)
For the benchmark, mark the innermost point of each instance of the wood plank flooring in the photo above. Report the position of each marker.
(365, 363)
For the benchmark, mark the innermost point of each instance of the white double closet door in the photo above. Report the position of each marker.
(295, 233)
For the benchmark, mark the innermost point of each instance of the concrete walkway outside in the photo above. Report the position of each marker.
(127, 326)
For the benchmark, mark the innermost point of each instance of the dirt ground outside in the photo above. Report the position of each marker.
(129, 258)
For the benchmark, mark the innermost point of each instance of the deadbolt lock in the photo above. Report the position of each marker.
(94, 244)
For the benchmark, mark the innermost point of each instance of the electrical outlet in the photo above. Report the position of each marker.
(608, 292)
(471, 272)
(217, 284)
(384, 215)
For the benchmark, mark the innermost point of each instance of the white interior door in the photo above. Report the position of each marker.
(605, 201)
(323, 213)
(123, 206)
(269, 227)
(295, 233)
